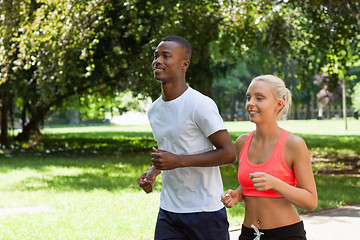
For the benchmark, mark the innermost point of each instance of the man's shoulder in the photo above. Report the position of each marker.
(200, 96)
(154, 103)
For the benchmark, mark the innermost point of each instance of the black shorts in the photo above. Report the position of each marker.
(291, 232)
(192, 226)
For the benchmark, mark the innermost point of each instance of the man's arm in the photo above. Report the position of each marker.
(223, 154)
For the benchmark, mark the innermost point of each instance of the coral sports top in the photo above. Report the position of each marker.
(275, 166)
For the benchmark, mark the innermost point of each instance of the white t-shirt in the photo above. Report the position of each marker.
(181, 126)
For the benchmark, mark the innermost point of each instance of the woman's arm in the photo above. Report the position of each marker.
(296, 154)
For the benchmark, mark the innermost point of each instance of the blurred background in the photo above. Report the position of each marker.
(75, 62)
(76, 82)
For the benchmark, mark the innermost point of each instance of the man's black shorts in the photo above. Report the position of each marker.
(192, 226)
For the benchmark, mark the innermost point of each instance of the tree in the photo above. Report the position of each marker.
(59, 49)
(334, 29)
(231, 88)
(66, 48)
(96, 106)
(11, 17)
(55, 55)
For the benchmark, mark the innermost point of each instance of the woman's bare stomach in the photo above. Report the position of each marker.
(267, 213)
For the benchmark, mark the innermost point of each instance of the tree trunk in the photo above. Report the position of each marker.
(344, 103)
(308, 109)
(4, 120)
(32, 127)
(233, 106)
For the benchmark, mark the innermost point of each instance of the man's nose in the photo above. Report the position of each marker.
(157, 60)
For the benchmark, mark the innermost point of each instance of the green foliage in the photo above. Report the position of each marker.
(95, 106)
(56, 48)
(326, 31)
(231, 88)
(64, 48)
(56, 51)
(54, 43)
(356, 97)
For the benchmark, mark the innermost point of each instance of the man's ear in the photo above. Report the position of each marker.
(186, 64)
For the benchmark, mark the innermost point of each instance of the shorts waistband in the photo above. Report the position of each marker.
(296, 229)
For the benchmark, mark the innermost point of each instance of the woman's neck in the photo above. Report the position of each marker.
(267, 132)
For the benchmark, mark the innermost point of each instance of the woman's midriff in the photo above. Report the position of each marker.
(268, 213)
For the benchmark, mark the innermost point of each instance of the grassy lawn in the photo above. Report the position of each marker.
(92, 197)
(84, 179)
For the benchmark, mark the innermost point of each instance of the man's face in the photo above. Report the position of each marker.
(169, 61)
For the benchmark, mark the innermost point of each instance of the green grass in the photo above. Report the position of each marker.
(86, 180)
(319, 127)
(89, 197)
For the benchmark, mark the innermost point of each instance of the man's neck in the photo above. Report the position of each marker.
(171, 91)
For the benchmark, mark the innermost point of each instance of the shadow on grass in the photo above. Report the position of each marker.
(103, 135)
(61, 173)
(80, 182)
(85, 143)
(333, 144)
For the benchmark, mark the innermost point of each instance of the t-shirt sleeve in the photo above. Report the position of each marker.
(207, 117)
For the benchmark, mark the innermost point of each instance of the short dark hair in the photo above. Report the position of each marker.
(182, 42)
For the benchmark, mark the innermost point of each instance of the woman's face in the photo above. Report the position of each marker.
(261, 103)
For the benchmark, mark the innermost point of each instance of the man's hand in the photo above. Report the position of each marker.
(164, 160)
(147, 180)
(231, 197)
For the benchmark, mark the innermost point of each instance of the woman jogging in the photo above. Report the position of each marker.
(275, 171)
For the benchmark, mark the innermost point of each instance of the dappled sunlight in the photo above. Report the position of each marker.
(73, 174)
(92, 196)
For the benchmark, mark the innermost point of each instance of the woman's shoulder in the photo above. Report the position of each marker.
(242, 138)
(295, 145)
(294, 140)
(240, 141)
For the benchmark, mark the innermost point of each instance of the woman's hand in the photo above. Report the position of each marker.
(263, 181)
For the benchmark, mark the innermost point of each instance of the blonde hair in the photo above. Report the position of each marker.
(280, 91)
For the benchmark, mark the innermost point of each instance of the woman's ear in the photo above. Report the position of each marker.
(279, 105)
